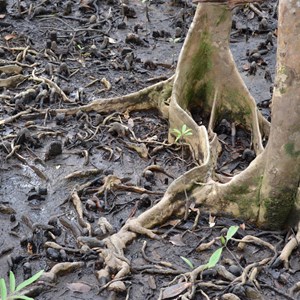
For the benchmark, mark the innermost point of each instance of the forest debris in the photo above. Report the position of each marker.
(230, 296)
(12, 151)
(51, 84)
(24, 137)
(255, 240)
(59, 247)
(156, 168)
(70, 224)
(118, 129)
(78, 287)
(109, 182)
(54, 149)
(91, 242)
(141, 149)
(105, 227)
(78, 206)
(11, 69)
(295, 288)
(117, 286)
(175, 290)
(257, 11)
(205, 246)
(137, 189)
(84, 173)
(60, 268)
(12, 81)
(36, 170)
(12, 118)
(177, 240)
(7, 210)
(106, 83)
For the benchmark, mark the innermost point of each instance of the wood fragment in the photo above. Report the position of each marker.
(84, 173)
(11, 69)
(12, 81)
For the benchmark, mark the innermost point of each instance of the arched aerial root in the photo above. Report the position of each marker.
(286, 252)
(207, 78)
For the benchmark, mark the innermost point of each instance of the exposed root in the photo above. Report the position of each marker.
(256, 240)
(51, 84)
(78, 206)
(155, 96)
(286, 252)
(60, 268)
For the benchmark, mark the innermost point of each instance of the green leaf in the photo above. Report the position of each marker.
(12, 282)
(231, 232)
(29, 280)
(3, 289)
(187, 261)
(23, 297)
(214, 259)
(178, 132)
(188, 133)
(223, 241)
(183, 128)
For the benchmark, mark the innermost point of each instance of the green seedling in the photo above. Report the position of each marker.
(183, 132)
(187, 261)
(215, 257)
(15, 292)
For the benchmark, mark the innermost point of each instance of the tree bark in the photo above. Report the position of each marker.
(206, 76)
(282, 172)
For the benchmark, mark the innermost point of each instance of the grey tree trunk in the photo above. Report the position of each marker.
(281, 176)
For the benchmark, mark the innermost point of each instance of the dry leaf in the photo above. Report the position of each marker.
(151, 282)
(175, 290)
(177, 240)
(2, 16)
(78, 287)
(205, 246)
(9, 37)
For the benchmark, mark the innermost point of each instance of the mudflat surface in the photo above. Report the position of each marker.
(100, 49)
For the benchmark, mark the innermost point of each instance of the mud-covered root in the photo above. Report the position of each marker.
(59, 269)
(155, 96)
(116, 265)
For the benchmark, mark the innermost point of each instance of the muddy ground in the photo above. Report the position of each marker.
(100, 49)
